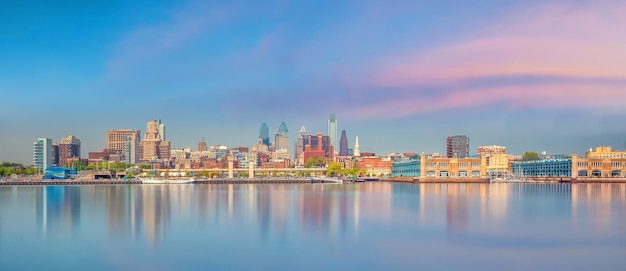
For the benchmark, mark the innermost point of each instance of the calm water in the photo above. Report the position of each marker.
(370, 226)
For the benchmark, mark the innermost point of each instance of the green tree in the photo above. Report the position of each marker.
(334, 169)
(314, 162)
(530, 156)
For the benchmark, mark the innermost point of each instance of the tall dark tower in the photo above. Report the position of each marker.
(343, 144)
(264, 134)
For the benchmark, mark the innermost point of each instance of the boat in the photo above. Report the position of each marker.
(162, 180)
(326, 180)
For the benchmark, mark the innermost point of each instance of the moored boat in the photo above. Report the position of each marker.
(157, 180)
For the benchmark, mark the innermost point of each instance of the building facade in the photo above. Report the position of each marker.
(437, 167)
(69, 149)
(281, 139)
(457, 146)
(153, 147)
(127, 142)
(42, 154)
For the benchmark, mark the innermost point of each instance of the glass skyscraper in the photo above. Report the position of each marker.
(332, 130)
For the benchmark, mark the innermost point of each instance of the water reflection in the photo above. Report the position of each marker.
(406, 217)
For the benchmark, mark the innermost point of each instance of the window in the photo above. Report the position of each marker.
(475, 164)
(475, 173)
(582, 173)
(443, 174)
(463, 173)
(463, 165)
(444, 165)
(430, 174)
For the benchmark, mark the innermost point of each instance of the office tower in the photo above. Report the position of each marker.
(357, 151)
(126, 142)
(343, 144)
(161, 127)
(55, 154)
(300, 145)
(318, 146)
(153, 147)
(457, 146)
(281, 139)
(202, 145)
(332, 129)
(42, 154)
(68, 148)
(264, 134)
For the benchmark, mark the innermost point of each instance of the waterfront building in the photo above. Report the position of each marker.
(543, 168)
(375, 166)
(264, 134)
(407, 167)
(343, 144)
(497, 159)
(153, 147)
(127, 142)
(332, 129)
(202, 145)
(457, 146)
(42, 154)
(69, 148)
(605, 152)
(603, 163)
(435, 166)
(357, 150)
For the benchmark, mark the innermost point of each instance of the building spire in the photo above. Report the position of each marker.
(357, 151)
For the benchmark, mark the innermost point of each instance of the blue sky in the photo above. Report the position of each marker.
(402, 75)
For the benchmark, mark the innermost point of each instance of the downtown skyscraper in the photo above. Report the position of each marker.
(343, 144)
(332, 130)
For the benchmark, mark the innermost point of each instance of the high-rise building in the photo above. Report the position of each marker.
(55, 154)
(42, 154)
(281, 139)
(301, 142)
(68, 148)
(153, 147)
(357, 150)
(318, 146)
(264, 134)
(457, 146)
(343, 144)
(332, 129)
(125, 141)
(202, 145)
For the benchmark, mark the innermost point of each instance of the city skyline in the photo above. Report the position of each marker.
(528, 75)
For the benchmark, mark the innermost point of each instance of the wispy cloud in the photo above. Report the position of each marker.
(572, 57)
(152, 41)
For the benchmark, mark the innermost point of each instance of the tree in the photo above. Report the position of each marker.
(334, 169)
(313, 162)
(530, 156)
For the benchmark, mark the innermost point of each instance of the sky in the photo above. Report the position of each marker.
(401, 75)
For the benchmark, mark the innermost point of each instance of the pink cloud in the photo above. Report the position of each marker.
(574, 42)
(601, 98)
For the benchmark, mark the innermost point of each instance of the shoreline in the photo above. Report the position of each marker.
(31, 182)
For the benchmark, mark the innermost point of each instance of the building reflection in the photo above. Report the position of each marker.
(58, 208)
(149, 212)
